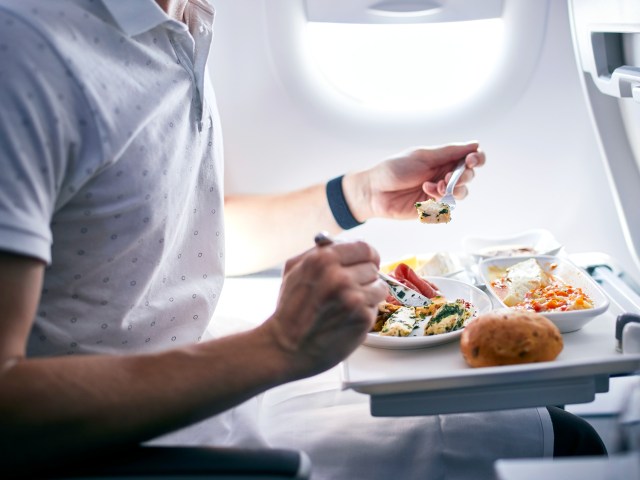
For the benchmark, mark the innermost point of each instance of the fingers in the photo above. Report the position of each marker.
(442, 156)
(347, 253)
(466, 177)
(472, 161)
(347, 267)
(356, 277)
(328, 302)
(476, 159)
(438, 188)
(351, 252)
(372, 289)
(357, 261)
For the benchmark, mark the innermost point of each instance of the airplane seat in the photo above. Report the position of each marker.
(160, 462)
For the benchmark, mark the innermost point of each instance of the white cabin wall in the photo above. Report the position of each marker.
(543, 171)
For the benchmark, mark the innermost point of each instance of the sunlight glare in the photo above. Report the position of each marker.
(407, 66)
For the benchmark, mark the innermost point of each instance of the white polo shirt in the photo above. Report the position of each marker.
(111, 171)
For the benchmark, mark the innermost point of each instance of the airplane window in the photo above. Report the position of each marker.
(351, 65)
(424, 66)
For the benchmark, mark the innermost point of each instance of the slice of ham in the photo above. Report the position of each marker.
(407, 276)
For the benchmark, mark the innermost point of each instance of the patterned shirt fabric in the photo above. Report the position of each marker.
(111, 171)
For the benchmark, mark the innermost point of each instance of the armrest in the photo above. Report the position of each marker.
(190, 462)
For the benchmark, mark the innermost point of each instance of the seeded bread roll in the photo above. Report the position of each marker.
(509, 337)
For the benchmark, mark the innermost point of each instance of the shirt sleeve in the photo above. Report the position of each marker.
(42, 117)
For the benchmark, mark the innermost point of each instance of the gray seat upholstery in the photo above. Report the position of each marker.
(180, 462)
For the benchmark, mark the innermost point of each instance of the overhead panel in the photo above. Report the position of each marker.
(390, 11)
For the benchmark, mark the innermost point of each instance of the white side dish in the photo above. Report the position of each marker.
(532, 242)
(563, 270)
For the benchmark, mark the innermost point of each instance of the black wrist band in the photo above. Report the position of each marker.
(339, 206)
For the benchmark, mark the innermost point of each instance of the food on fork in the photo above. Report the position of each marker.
(431, 211)
(507, 337)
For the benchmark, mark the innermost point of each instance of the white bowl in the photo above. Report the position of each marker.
(541, 241)
(564, 271)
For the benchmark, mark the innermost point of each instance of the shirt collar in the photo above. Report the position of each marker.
(138, 16)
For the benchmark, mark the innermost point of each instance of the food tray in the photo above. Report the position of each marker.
(437, 380)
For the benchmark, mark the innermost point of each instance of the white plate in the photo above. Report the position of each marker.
(540, 240)
(566, 272)
(452, 290)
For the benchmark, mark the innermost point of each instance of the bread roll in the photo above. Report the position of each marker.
(507, 337)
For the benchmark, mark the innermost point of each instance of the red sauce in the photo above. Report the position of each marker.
(556, 297)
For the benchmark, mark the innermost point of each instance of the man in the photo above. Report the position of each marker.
(113, 241)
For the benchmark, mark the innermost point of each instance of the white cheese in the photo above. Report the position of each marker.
(521, 278)
(436, 265)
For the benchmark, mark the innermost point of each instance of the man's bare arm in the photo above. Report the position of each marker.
(54, 407)
(264, 230)
(285, 224)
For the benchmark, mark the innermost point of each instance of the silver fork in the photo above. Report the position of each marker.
(405, 295)
(448, 197)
